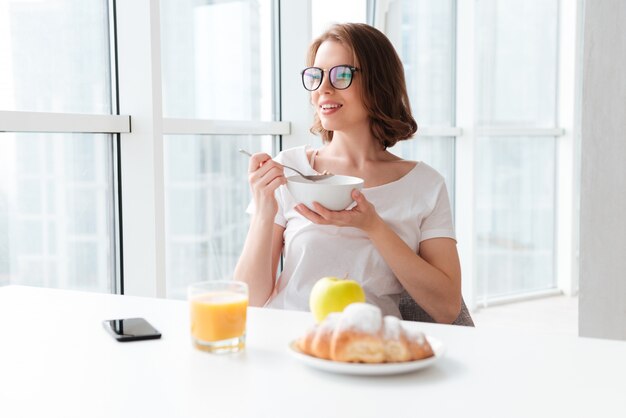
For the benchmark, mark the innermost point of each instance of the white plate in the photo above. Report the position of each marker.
(369, 369)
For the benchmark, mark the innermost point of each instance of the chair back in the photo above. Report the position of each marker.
(411, 311)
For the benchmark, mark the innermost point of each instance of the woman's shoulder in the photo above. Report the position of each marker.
(419, 169)
(425, 171)
(419, 177)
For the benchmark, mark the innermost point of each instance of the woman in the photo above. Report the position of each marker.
(399, 235)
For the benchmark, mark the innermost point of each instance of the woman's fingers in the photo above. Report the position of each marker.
(275, 184)
(358, 197)
(323, 216)
(359, 216)
(264, 170)
(261, 164)
(256, 161)
(323, 212)
(310, 215)
(264, 176)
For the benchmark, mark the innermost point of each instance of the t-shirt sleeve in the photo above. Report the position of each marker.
(438, 223)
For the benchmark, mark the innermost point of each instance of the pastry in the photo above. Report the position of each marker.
(361, 334)
(321, 342)
(357, 336)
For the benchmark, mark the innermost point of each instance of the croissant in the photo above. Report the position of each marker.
(360, 334)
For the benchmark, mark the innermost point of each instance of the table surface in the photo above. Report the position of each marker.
(56, 360)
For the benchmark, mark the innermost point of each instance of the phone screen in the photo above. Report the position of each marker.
(131, 329)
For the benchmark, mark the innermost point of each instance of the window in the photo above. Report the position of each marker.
(510, 125)
(423, 33)
(327, 12)
(217, 59)
(217, 65)
(207, 194)
(515, 211)
(516, 79)
(56, 189)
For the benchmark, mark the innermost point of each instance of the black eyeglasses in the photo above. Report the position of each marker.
(340, 77)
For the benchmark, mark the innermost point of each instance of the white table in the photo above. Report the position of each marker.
(56, 360)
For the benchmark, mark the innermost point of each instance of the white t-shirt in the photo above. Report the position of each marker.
(415, 206)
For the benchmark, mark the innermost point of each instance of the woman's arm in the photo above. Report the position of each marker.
(433, 278)
(259, 259)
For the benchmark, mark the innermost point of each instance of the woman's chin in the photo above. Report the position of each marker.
(329, 126)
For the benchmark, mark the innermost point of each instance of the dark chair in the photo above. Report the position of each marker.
(411, 311)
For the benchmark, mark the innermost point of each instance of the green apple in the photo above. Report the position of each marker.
(332, 294)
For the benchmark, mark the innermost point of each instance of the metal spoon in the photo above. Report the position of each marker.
(313, 177)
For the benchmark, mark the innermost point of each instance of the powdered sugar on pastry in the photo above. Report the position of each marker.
(362, 317)
(415, 335)
(392, 328)
(329, 323)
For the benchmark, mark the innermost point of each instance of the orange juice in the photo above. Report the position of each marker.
(218, 315)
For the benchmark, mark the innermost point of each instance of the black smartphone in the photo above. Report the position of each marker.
(131, 329)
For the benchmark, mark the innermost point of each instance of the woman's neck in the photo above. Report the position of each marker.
(355, 148)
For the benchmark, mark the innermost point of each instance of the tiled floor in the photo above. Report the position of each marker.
(554, 315)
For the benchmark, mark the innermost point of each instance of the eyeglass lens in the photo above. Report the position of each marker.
(340, 77)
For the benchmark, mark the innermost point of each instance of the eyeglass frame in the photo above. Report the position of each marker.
(352, 69)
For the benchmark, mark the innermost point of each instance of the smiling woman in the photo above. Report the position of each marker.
(388, 108)
(398, 235)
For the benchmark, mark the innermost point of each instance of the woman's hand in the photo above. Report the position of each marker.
(265, 176)
(362, 216)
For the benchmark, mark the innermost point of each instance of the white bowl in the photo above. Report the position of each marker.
(334, 193)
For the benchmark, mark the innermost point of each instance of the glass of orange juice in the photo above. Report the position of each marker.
(218, 315)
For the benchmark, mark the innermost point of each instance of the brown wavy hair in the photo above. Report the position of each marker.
(381, 76)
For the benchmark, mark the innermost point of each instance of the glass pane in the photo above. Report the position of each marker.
(217, 59)
(54, 56)
(206, 197)
(327, 12)
(437, 152)
(425, 42)
(56, 211)
(427, 51)
(516, 62)
(515, 207)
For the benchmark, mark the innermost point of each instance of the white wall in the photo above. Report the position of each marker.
(602, 303)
